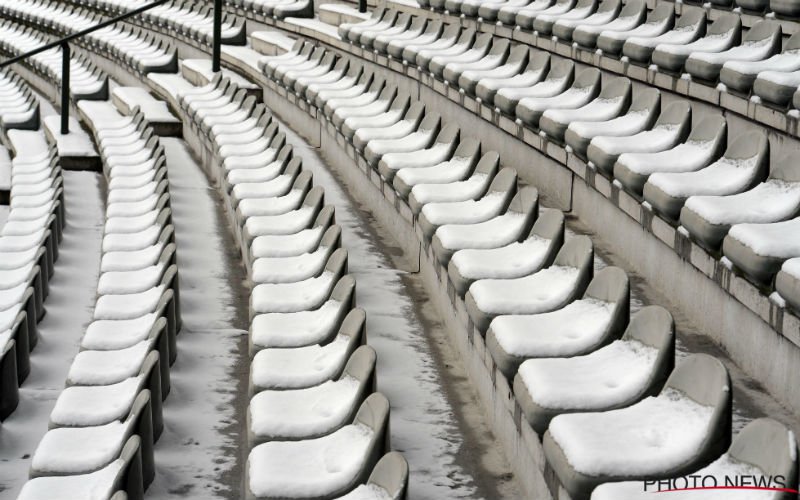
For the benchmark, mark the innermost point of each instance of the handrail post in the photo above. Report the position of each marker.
(362, 6)
(217, 35)
(65, 56)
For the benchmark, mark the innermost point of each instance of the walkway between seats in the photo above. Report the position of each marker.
(69, 310)
(201, 452)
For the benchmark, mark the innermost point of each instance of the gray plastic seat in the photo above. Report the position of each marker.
(585, 88)
(419, 139)
(448, 48)
(449, 37)
(471, 188)
(759, 250)
(489, 12)
(690, 26)
(432, 32)
(787, 283)
(753, 5)
(724, 33)
(741, 75)
(744, 164)
(415, 28)
(543, 22)
(762, 41)
(699, 380)
(632, 15)
(523, 15)
(440, 150)
(479, 48)
(560, 75)
(660, 20)
(613, 100)
(606, 12)
(546, 290)
(495, 57)
(706, 143)
(563, 333)
(397, 109)
(454, 169)
(512, 66)
(411, 120)
(785, 8)
(400, 23)
(671, 127)
(596, 374)
(535, 68)
(390, 475)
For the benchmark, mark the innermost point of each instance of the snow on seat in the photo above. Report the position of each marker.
(641, 115)
(762, 41)
(325, 467)
(452, 36)
(303, 295)
(499, 231)
(586, 87)
(358, 80)
(275, 180)
(763, 450)
(787, 283)
(470, 188)
(771, 73)
(709, 218)
(339, 71)
(759, 250)
(421, 138)
(229, 137)
(410, 121)
(286, 223)
(606, 12)
(293, 244)
(300, 52)
(491, 12)
(613, 100)
(434, 30)
(277, 205)
(744, 164)
(415, 28)
(493, 58)
(351, 31)
(297, 414)
(298, 267)
(453, 169)
(614, 376)
(361, 110)
(304, 328)
(543, 22)
(321, 67)
(546, 290)
(690, 26)
(524, 67)
(686, 425)
(612, 37)
(447, 49)
(524, 15)
(135, 259)
(396, 111)
(724, 33)
(471, 211)
(307, 366)
(124, 473)
(705, 144)
(560, 74)
(398, 25)
(354, 96)
(440, 150)
(672, 127)
(579, 328)
(388, 480)
(260, 166)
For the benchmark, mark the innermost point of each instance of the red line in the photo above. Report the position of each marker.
(762, 488)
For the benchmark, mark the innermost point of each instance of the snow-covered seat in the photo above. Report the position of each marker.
(709, 218)
(631, 16)
(83, 450)
(339, 71)
(764, 450)
(421, 138)
(434, 30)
(312, 412)
(440, 150)
(389, 480)
(381, 18)
(479, 48)
(614, 376)
(499, 231)
(762, 41)
(724, 33)
(398, 25)
(672, 127)
(270, 182)
(606, 12)
(759, 250)
(124, 473)
(690, 26)
(523, 73)
(456, 168)
(774, 79)
(543, 22)
(297, 267)
(744, 164)
(354, 96)
(468, 189)
(685, 426)
(304, 328)
(362, 109)
(451, 35)
(527, 256)
(584, 88)
(613, 100)
(445, 50)
(523, 15)
(579, 328)
(660, 20)
(787, 283)
(395, 112)
(290, 222)
(546, 290)
(410, 121)
(491, 60)
(490, 204)
(281, 204)
(641, 115)
(291, 244)
(266, 162)
(414, 29)
(706, 143)
(303, 295)
(325, 467)
(490, 12)
(308, 366)
(242, 132)
(321, 67)
(281, 68)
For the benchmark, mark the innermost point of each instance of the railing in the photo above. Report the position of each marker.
(65, 50)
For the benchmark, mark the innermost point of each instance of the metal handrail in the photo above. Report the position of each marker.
(65, 50)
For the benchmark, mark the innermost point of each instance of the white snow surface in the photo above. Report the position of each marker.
(792, 266)
(452, 192)
(295, 329)
(79, 449)
(686, 157)
(443, 173)
(301, 367)
(98, 485)
(95, 405)
(292, 297)
(495, 232)
(510, 261)
(367, 492)
(724, 176)
(464, 212)
(539, 292)
(770, 201)
(779, 239)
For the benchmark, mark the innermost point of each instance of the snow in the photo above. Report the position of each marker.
(295, 329)
(607, 377)
(752, 50)
(412, 142)
(709, 43)
(266, 186)
(436, 154)
(453, 192)
(108, 367)
(124, 242)
(769, 201)
(511, 261)
(292, 297)
(792, 266)
(686, 157)
(132, 224)
(774, 67)
(288, 223)
(301, 367)
(298, 414)
(654, 435)
(367, 492)
(725, 176)
(496, 232)
(106, 335)
(128, 306)
(76, 143)
(572, 98)
(314, 467)
(254, 207)
(597, 110)
(98, 485)
(443, 173)
(95, 405)
(539, 292)
(287, 245)
(574, 328)
(648, 141)
(131, 260)
(290, 269)
(79, 449)
(677, 36)
(779, 239)
(465, 212)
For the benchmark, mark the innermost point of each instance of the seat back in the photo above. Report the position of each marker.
(391, 475)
